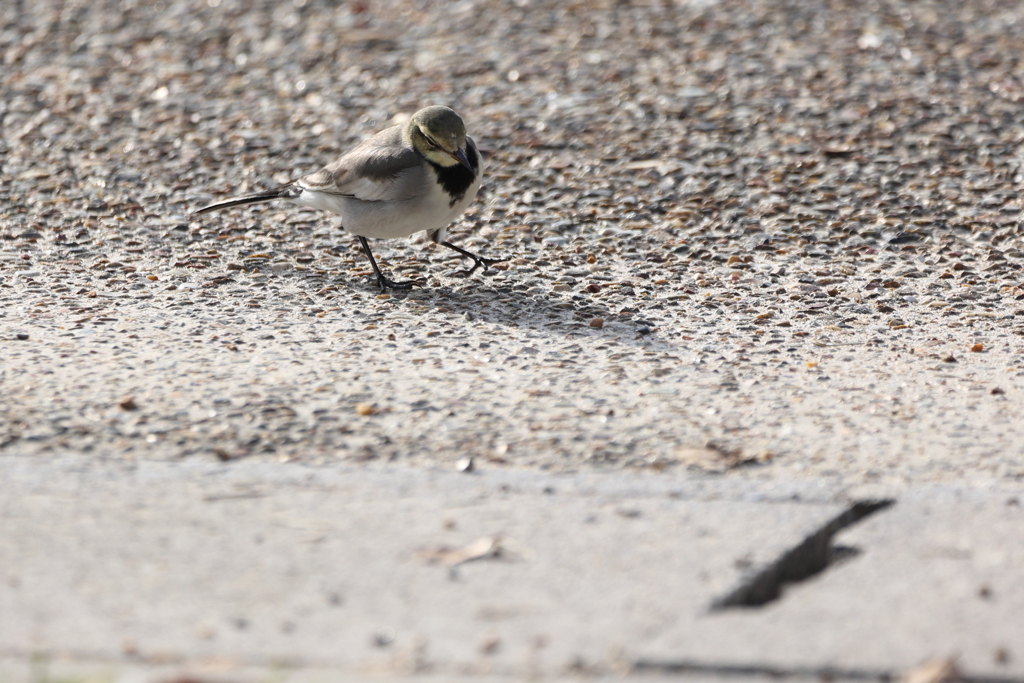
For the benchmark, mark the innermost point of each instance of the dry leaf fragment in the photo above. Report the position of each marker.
(935, 671)
(712, 457)
(487, 547)
(704, 458)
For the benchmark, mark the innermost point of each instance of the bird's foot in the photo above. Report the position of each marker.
(480, 261)
(477, 260)
(386, 284)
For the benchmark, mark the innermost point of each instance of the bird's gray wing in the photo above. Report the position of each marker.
(379, 169)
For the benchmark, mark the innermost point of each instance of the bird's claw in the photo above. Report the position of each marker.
(477, 262)
(386, 284)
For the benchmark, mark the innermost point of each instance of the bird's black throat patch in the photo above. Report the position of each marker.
(455, 180)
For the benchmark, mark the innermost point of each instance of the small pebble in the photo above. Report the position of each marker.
(490, 645)
(384, 636)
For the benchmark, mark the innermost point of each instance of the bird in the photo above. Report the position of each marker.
(408, 178)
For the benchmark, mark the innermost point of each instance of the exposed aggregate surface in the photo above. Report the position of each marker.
(787, 230)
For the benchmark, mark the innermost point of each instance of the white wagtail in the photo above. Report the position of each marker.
(407, 178)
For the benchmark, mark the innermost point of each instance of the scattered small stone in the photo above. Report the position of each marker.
(490, 645)
(365, 409)
(21, 336)
(129, 648)
(465, 465)
(225, 454)
(384, 637)
(128, 403)
(597, 323)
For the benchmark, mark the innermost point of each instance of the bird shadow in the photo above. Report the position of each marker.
(530, 305)
(495, 296)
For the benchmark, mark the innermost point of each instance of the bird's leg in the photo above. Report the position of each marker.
(477, 260)
(384, 282)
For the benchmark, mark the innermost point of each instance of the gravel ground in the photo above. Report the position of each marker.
(770, 238)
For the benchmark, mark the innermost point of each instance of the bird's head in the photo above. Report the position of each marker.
(439, 134)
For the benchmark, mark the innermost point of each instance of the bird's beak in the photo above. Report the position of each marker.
(460, 156)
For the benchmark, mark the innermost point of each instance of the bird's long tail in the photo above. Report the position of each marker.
(284, 192)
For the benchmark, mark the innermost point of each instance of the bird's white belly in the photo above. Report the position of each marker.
(390, 219)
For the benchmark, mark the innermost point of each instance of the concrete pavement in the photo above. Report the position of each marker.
(257, 571)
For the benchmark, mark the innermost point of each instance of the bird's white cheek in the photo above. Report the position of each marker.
(441, 159)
